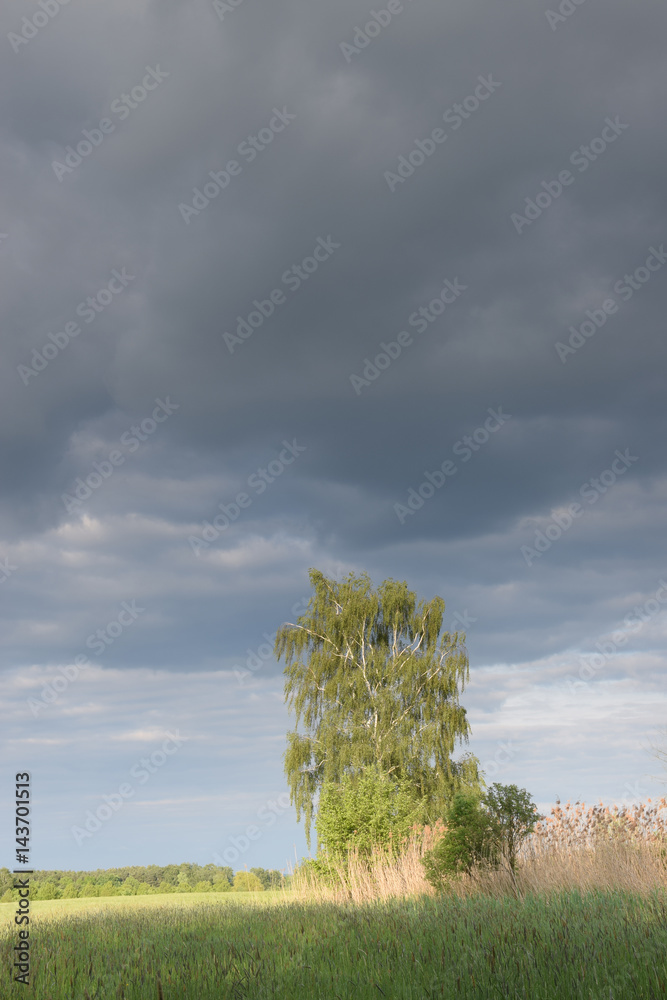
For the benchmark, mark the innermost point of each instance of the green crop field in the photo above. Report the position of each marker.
(599, 946)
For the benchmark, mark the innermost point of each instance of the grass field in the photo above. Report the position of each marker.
(584, 919)
(597, 946)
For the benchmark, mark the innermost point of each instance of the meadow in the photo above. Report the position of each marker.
(587, 919)
(599, 945)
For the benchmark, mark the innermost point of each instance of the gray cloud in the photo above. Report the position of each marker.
(321, 179)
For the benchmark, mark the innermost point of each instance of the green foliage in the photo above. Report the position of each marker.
(515, 816)
(129, 887)
(365, 811)
(269, 879)
(48, 890)
(6, 880)
(483, 831)
(132, 881)
(87, 887)
(68, 890)
(247, 882)
(183, 883)
(218, 873)
(222, 885)
(469, 843)
(376, 683)
(322, 869)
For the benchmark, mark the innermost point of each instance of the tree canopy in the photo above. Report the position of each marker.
(375, 681)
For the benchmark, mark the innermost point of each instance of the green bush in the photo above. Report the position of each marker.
(222, 885)
(247, 882)
(483, 832)
(364, 811)
(469, 843)
(322, 870)
(515, 816)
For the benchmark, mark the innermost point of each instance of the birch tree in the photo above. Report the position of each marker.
(374, 681)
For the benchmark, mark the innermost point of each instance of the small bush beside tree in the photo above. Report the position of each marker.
(515, 816)
(367, 811)
(483, 832)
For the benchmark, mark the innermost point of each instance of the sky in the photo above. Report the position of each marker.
(366, 289)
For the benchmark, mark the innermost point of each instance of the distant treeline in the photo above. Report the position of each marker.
(137, 881)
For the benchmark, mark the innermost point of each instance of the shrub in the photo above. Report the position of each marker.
(247, 882)
(365, 811)
(482, 832)
(515, 816)
(470, 842)
(222, 885)
(318, 870)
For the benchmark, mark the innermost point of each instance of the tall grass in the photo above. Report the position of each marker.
(386, 874)
(574, 848)
(572, 946)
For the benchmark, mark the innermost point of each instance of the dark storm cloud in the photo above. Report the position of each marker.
(330, 210)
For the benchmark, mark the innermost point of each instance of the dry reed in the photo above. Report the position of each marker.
(573, 848)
